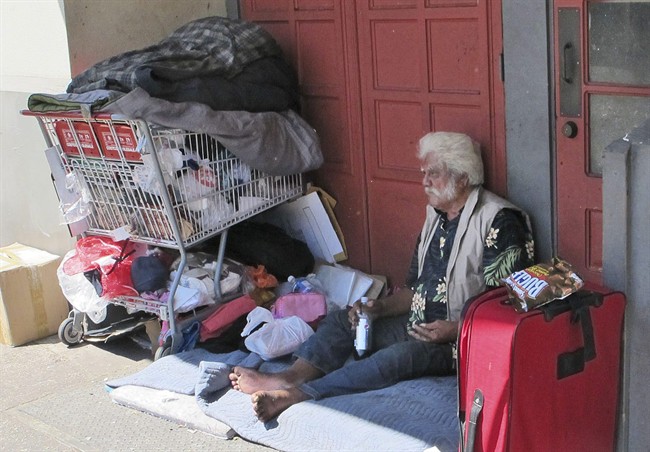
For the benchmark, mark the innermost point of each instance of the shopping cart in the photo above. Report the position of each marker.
(164, 187)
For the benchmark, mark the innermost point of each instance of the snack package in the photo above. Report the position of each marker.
(542, 283)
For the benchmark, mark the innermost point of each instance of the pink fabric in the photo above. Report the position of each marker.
(224, 316)
(308, 306)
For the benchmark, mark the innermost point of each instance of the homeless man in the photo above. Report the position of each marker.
(471, 239)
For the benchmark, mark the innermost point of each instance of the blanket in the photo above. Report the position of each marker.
(207, 45)
(411, 415)
(276, 143)
(84, 102)
(225, 63)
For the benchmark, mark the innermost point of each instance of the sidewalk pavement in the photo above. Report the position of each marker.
(52, 398)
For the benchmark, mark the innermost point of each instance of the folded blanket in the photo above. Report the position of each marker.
(89, 101)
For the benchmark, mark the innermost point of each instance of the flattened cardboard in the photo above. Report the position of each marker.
(307, 219)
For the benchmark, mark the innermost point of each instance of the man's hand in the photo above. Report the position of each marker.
(396, 304)
(372, 309)
(438, 331)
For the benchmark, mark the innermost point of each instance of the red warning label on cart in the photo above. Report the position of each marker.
(74, 135)
(120, 136)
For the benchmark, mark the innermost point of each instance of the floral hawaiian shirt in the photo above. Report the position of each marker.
(507, 248)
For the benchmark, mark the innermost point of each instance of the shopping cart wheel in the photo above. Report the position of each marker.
(68, 334)
(161, 351)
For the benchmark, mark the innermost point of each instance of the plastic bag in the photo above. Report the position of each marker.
(145, 175)
(276, 337)
(78, 207)
(80, 293)
(106, 263)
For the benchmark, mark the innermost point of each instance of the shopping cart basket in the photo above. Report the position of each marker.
(165, 187)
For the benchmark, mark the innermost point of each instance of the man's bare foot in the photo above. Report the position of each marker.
(249, 381)
(269, 404)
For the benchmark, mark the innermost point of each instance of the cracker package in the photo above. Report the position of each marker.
(542, 283)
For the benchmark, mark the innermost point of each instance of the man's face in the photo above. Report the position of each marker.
(438, 185)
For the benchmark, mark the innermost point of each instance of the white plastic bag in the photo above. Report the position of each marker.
(278, 337)
(80, 292)
(78, 204)
(145, 175)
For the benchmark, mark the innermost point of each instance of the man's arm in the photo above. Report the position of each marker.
(397, 304)
(507, 248)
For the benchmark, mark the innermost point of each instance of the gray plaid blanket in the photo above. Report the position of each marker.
(209, 45)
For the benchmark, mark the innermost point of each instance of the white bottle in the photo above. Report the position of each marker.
(363, 341)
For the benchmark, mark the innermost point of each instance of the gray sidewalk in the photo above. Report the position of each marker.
(52, 398)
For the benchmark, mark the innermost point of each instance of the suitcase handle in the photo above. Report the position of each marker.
(571, 363)
(477, 406)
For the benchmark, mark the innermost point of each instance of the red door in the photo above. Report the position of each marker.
(319, 38)
(425, 65)
(375, 75)
(602, 73)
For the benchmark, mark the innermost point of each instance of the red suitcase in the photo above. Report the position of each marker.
(545, 380)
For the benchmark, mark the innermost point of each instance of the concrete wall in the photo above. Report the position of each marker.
(626, 250)
(100, 29)
(528, 141)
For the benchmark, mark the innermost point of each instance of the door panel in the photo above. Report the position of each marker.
(319, 39)
(425, 66)
(375, 75)
(601, 70)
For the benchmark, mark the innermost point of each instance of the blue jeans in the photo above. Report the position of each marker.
(396, 356)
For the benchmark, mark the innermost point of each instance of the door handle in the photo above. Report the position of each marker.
(568, 62)
(569, 72)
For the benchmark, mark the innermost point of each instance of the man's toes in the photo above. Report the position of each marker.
(258, 407)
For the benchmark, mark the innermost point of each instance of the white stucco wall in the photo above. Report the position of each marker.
(43, 43)
(33, 58)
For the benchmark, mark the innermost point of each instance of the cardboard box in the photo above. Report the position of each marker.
(310, 219)
(32, 305)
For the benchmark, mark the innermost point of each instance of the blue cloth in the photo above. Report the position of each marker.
(412, 415)
(396, 357)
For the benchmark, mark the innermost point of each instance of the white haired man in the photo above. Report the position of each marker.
(471, 239)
